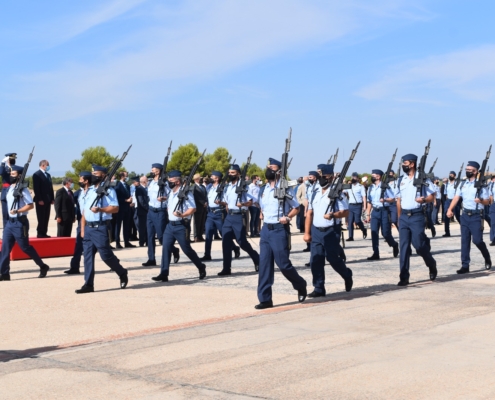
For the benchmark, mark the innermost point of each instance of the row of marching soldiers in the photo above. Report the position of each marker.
(168, 218)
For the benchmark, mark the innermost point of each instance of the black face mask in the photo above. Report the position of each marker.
(232, 178)
(171, 185)
(270, 174)
(311, 182)
(373, 179)
(323, 181)
(152, 175)
(469, 175)
(96, 179)
(406, 169)
(12, 161)
(14, 179)
(82, 184)
(451, 178)
(353, 180)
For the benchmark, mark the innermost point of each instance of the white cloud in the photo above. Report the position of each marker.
(466, 74)
(197, 41)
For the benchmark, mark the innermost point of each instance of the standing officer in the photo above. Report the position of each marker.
(43, 197)
(123, 220)
(5, 169)
(254, 210)
(436, 203)
(274, 241)
(215, 217)
(381, 214)
(473, 201)
(157, 215)
(96, 224)
(65, 209)
(75, 262)
(17, 228)
(412, 222)
(233, 226)
(357, 204)
(491, 192)
(141, 207)
(323, 232)
(449, 196)
(176, 229)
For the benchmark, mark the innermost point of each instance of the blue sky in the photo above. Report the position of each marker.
(238, 74)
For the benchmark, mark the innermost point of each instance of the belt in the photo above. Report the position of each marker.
(157, 209)
(20, 218)
(271, 227)
(96, 224)
(380, 208)
(471, 212)
(6, 185)
(215, 210)
(412, 211)
(235, 212)
(355, 204)
(325, 229)
(177, 223)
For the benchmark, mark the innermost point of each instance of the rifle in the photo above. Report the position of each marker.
(288, 165)
(335, 190)
(162, 181)
(399, 168)
(386, 178)
(335, 157)
(430, 174)
(242, 185)
(282, 191)
(186, 186)
(458, 179)
(21, 184)
(221, 186)
(330, 159)
(106, 184)
(420, 181)
(481, 181)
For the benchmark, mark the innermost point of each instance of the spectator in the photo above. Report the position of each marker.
(43, 197)
(65, 210)
(254, 210)
(201, 201)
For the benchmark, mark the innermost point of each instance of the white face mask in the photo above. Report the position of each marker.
(71, 185)
(307, 183)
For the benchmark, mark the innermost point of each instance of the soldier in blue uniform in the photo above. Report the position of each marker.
(233, 226)
(5, 169)
(323, 229)
(473, 201)
(357, 204)
(491, 192)
(157, 218)
(412, 220)
(274, 240)
(176, 228)
(75, 262)
(215, 216)
(449, 196)
(17, 228)
(393, 206)
(96, 225)
(380, 217)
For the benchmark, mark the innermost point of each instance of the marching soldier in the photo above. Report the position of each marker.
(5, 170)
(274, 240)
(392, 182)
(96, 224)
(323, 232)
(17, 228)
(449, 194)
(380, 217)
(412, 222)
(473, 200)
(357, 204)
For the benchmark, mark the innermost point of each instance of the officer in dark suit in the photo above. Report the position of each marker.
(491, 193)
(123, 220)
(84, 184)
(43, 197)
(65, 210)
(473, 201)
(200, 213)
(5, 169)
(17, 228)
(141, 205)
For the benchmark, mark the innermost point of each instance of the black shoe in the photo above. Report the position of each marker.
(176, 257)
(149, 263)
(134, 239)
(301, 295)
(349, 282)
(492, 243)
(314, 294)
(124, 280)
(224, 272)
(307, 265)
(256, 267)
(446, 235)
(4, 277)
(43, 236)
(113, 248)
(119, 246)
(306, 250)
(403, 283)
(205, 258)
(85, 289)
(433, 273)
(43, 271)
(127, 245)
(217, 238)
(396, 250)
(350, 240)
(264, 304)
(433, 231)
(488, 264)
(365, 233)
(463, 270)
(72, 272)
(202, 272)
(237, 252)
(374, 257)
(160, 278)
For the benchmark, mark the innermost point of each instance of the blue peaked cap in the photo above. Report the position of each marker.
(99, 168)
(272, 161)
(217, 173)
(377, 172)
(326, 169)
(85, 174)
(314, 173)
(17, 168)
(174, 174)
(235, 167)
(473, 164)
(157, 165)
(410, 157)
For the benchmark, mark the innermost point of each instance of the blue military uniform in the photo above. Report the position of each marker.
(380, 217)
(97, 232)
(491, 193)
(5, 170)
(436, 207)
(123, 217)
(412, 225)
(233, 227)
(393, 206)
(309, 191)
(356, 195)
(17, 230)
(176, 230)
(325, 237)
(449, 196)
(274, 243)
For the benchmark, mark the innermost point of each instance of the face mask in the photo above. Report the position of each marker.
(406, 169)
(71, 186)
(14, 179)
(47, 168)
(373, 179)
(258, 183)
(82, 184)
(451, 178)
(354, 180)
(307, 183)
(323, 181)
(126, 179)
(232, 178)
(469, 175)
(95, 179)
(270, 174)
(12, 161)
(171, 185)
(152, 175)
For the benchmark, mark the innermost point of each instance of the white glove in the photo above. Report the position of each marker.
(6, 160)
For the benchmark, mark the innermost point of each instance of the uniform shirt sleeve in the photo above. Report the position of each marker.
(27, 196)
(111, 198)
(484, 194)
(293, 203)
(343, 204)
(190, 201)
(430, 189)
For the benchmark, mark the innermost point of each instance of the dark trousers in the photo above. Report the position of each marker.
(326, 245)
(412, 231)
(98, 240)
(134, 223)
(434, 212)
(486, 215)
(43, 215)
(393, 213)
(274, 248)
(64, 229)
(472, 229)
(155, 225)
(254, 220)
(354, 217)
(16, 232)
(75, 261)
(380, 219)
(457, 213)
(302, 218)
(176, 231)
(214, 223)
(233, 227)
(5, 211)
(141, 222)
(429, 219)
(199, 222)
(123, 222)
(492, 222)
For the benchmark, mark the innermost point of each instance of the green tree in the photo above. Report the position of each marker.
(92, 155)
(219, 160)
(255, 169)
(184, 158)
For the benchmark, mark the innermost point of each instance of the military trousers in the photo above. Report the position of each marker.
(214, 223)
(5, 211)
(355, 212)
(380, 218)
(492, 222)
(75, 261)
(233, 228)
(471, 230)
